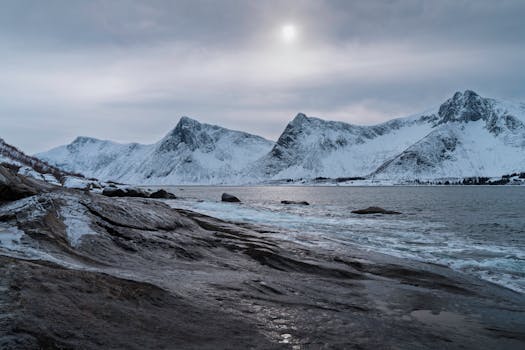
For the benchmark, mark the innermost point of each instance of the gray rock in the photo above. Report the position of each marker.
(114, 192)
(125, 192)
(14, 186)
(163, 194)
(226, 197)
(136, 192)
(375, 210)
(295, 202)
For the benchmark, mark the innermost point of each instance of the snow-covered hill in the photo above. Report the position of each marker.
(32, 166)
(192, 153)
(467, 135)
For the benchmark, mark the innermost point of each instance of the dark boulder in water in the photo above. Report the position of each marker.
(136, 192)
(125, 192)
(226, 197)
(162, 194)
(375, 210)
(114, 192)
(295, 202)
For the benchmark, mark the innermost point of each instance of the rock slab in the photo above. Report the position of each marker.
(375, 210)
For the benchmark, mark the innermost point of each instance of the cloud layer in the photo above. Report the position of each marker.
(127, 70)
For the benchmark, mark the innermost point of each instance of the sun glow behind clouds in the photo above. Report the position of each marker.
(289, 33)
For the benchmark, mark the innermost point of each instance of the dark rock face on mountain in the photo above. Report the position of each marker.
(465, 107)
(80, 270)
(190, 133)
(425, 156)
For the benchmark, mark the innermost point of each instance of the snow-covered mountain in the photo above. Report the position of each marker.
(192, 153)
(471, 136)
(311, 147)
(468, 135)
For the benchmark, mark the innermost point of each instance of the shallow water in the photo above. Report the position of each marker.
(479, 230)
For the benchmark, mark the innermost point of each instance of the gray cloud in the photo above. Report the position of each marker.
(126, 70)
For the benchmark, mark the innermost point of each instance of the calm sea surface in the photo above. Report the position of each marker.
(479, 230)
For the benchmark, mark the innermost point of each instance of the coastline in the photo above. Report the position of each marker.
(88, 271)
(424, 231)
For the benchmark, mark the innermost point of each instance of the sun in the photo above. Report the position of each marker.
(289, 33)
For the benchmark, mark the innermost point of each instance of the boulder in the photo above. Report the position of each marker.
(226, 197)
(136, 192)
(295, 202)
(114, 192)
(125, 192)
(163, 195)
(375, 210)
(14, 186)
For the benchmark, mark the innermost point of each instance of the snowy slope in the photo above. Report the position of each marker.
(96, 158)
(471, 136)
(192, 153)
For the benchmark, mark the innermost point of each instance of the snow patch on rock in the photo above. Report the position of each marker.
(75, 217)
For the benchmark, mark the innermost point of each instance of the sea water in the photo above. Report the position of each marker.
(478, 230)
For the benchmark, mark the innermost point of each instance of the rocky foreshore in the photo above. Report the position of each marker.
(79, 270)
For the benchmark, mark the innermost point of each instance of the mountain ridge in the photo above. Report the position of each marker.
(192, 152)
(467, 135)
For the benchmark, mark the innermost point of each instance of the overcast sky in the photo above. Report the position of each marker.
(127, 70)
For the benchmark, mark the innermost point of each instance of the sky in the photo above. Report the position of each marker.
(127, 70)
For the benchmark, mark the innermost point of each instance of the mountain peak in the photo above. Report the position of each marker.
(83, 140)
(190, 133)
(465, 106)
(187, 121)
(300, 118)
(465, 95)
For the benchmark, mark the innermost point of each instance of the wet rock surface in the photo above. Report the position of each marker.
(92, 310)
(375, 210)
(85, 271)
